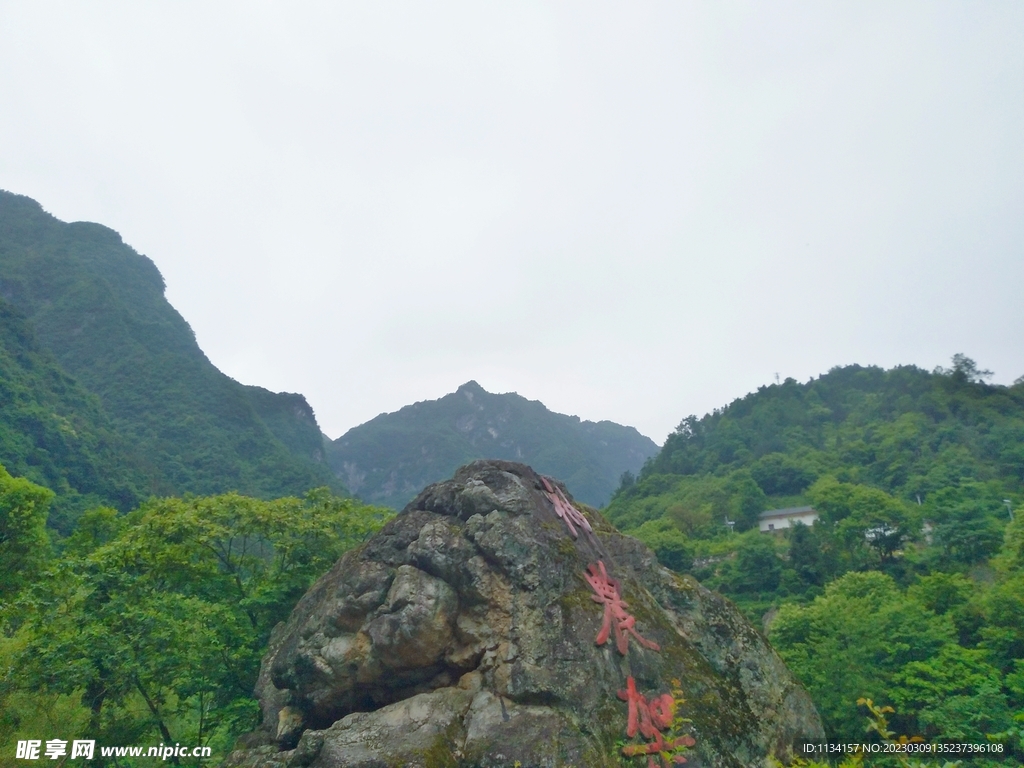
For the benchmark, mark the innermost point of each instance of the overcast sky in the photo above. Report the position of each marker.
(629, 211)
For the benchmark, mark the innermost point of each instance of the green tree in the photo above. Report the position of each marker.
(805, 554)
(861, 514)
(669, 544)
(1003, 629)
(758, 568)
(24, 544)
(956, 695)
(942, 592)
(779, 474)
(158, 620)
(851, 641)
(746, 499)
(968, 537)
(964, 369)
(955, 595)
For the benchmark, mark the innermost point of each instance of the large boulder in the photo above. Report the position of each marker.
(466, 633)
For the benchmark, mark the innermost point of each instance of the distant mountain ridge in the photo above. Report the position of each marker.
(98, 309)
(390, 458)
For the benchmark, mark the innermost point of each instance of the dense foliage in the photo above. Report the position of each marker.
(909, 588)
(149, 627)
(389, 459)
(98, 308)
(54, 432)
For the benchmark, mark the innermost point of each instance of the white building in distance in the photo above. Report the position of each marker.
(778, 519)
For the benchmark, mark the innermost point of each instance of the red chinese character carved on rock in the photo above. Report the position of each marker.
(650, 718)
(569, 514)
(615, 615)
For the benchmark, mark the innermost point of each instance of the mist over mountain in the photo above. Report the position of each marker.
(97, 309)
(390, 458)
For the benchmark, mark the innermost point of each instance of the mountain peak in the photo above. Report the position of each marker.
(390, 458)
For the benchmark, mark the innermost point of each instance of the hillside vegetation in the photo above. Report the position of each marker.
(98, 309)
(55, 432)
(909, 589)
(389, 459)
(148, 627)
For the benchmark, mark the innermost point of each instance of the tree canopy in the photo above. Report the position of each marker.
(151, 625)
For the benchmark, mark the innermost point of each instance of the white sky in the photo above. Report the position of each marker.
(630, 211)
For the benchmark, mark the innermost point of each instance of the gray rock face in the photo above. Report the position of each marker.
(464, 634)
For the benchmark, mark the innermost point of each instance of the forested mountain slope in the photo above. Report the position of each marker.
(389, 459)
(54, 432)
(98, 307)
(909, 587)
(917, 435)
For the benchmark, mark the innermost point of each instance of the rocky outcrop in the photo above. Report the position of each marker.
(466, 633)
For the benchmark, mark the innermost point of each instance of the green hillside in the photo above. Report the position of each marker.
(944, 438)
(909, 588)
(55, 433)
(98, 308)
(389, 459)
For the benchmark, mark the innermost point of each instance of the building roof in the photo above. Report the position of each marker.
(788, 512)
